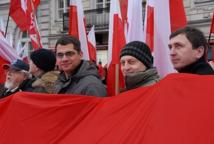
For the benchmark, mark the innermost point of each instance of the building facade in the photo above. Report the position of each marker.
(52, 17)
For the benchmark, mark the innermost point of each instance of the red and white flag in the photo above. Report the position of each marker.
(33, 29)
(135, 21)
(22, 12)
(92, 45)
(77, 25)
(158, 26)
(116, 43)
(6, 51)
(34, 33)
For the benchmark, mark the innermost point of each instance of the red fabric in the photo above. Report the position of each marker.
(177, 15)
(2, 71)
(36, 3)
(212, 25)
(111, 79)
(73, 24)
(21, 18)
(124, 9)
(177, 110)
(150, 27)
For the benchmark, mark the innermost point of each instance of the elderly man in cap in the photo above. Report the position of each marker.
(17, 72)
(137, 65)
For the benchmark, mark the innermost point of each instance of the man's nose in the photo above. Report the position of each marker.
(172, 51)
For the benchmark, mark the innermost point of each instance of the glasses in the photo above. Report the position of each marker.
(66, 54)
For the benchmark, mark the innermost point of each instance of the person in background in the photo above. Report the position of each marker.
(77, 76)
(188, 47)
(137, 65)
(42, 67)
(101, 71)
(17, 73)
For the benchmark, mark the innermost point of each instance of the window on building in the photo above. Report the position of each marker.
(103, 4)
(25, 42)
(60, 8)
(202, 1)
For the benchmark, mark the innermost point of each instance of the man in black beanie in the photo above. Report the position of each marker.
(42, 65)
(137, 65)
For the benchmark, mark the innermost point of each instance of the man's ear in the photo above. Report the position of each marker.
(200, 51)
(81, 53)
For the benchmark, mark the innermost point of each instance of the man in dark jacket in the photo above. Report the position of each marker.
(77, 76)
(17, 73)
(188, 48)
(137, 65)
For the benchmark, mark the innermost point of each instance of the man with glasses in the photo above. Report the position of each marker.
(17, 72)
(77, 76)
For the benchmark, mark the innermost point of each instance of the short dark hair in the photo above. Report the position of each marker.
(195, 36)
(68, 39)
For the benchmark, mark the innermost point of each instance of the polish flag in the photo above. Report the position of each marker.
(116, 43)
(7, 55)
(92, 45)
(135, 21)
(77, 25)
(159, 22)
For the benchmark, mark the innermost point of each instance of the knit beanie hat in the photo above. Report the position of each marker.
(140, 51)
(43, 59)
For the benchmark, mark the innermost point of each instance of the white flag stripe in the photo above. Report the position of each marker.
(135, 21)
(2, 26)
(91, 36)
(114, 9)
(81, 28)
(6, 51)
(24, 5)
(162, 30)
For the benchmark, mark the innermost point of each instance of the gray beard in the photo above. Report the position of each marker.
(9, 85)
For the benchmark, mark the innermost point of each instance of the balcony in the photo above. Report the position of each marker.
(98, 17)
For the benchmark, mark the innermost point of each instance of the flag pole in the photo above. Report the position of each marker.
(8, 19)
(117, 79)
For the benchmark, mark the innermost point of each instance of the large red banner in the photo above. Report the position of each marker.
(177, 110)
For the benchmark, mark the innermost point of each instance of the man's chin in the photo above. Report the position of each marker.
(8, 85)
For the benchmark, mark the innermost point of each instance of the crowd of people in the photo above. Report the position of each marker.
(65, 72)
